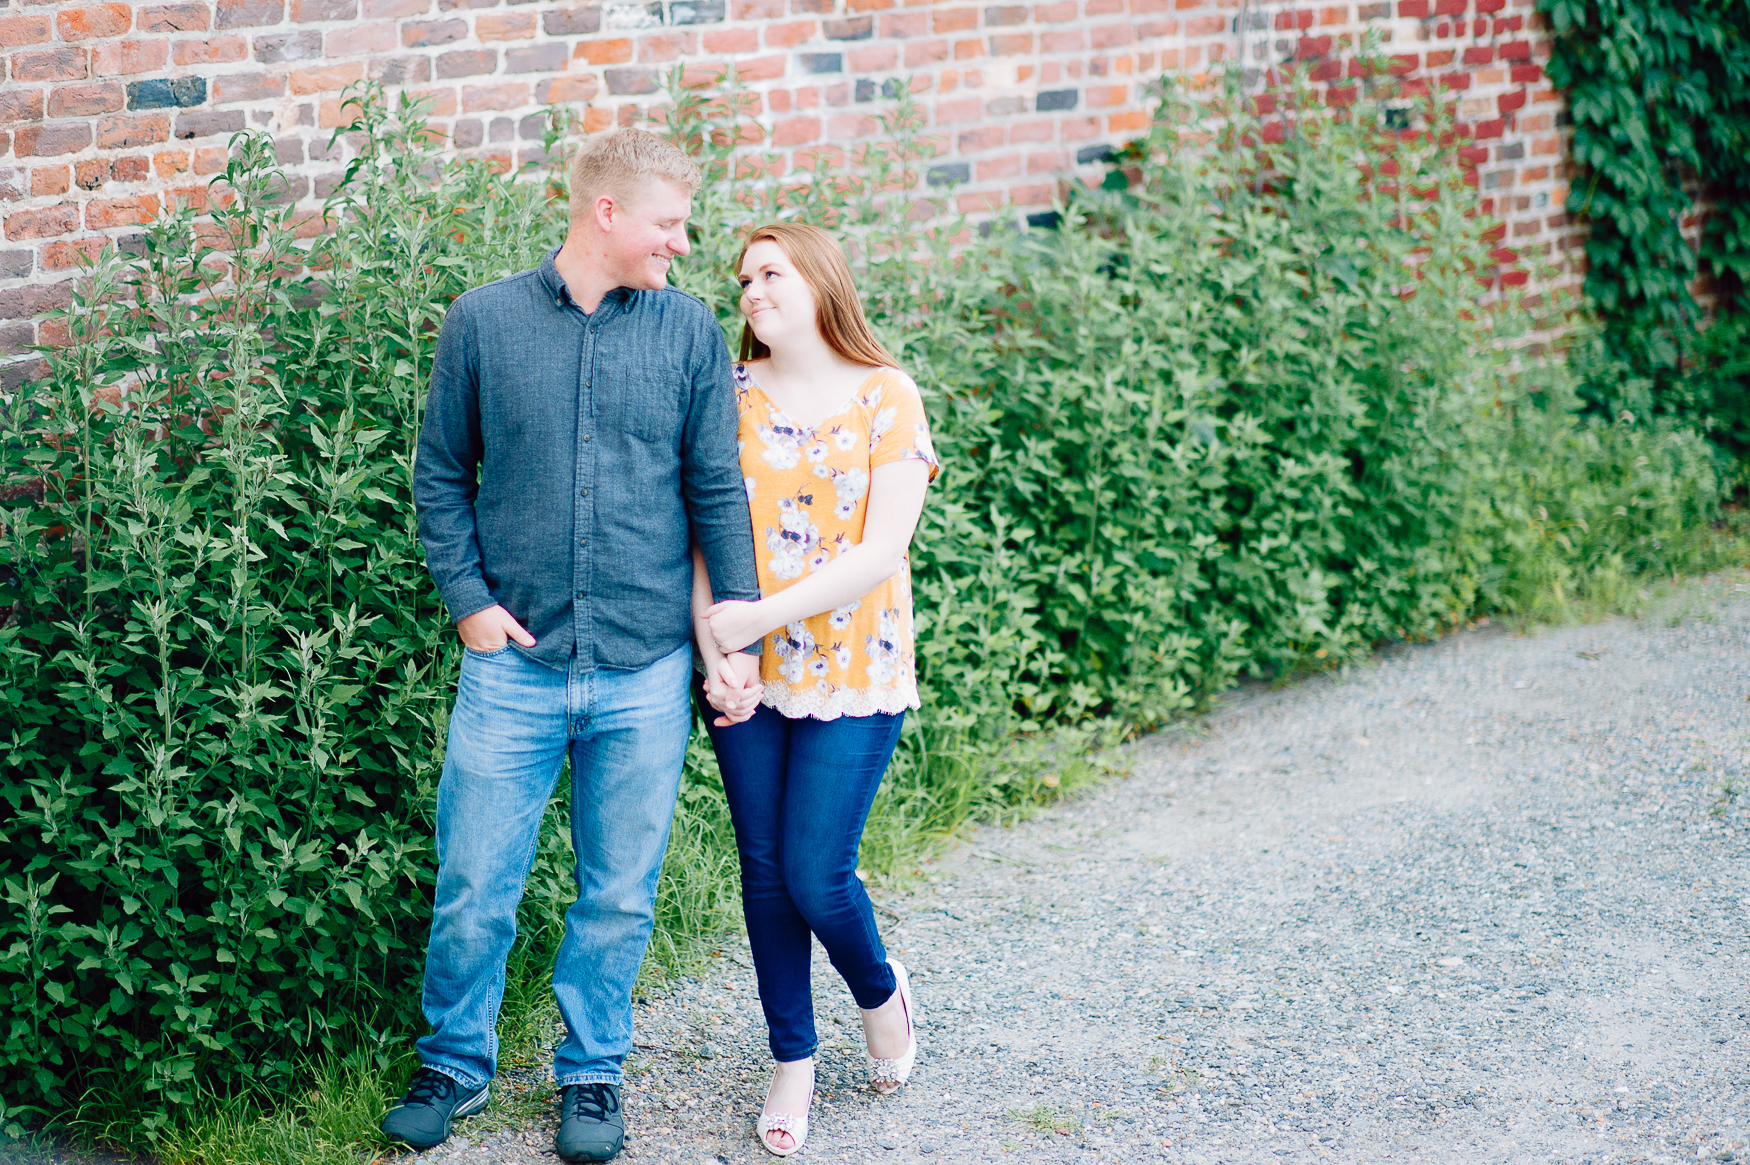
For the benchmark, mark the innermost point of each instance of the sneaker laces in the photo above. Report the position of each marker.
(594, 1101)
(428, 1086)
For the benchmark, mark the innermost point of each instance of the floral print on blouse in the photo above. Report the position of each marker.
(808, 490)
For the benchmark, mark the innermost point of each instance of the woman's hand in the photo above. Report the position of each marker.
(733, 690)
(736, 624)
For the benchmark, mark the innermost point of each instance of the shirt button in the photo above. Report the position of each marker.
(580, 594)
(583, 493)
(586, 436)
(583, 541)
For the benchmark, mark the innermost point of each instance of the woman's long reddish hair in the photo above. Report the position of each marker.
(821, 262)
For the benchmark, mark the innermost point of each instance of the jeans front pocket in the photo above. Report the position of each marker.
(493, 654)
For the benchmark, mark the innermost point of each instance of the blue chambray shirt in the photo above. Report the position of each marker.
(567, 461)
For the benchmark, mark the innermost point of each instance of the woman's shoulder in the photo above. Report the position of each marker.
(884, 383)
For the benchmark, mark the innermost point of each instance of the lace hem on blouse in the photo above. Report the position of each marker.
(796, 703)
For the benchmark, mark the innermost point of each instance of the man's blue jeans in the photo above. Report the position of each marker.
(513, 724)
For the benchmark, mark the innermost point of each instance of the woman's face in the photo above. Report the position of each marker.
(777, 302)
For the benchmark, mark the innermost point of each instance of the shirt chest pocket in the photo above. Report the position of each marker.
(642, 397)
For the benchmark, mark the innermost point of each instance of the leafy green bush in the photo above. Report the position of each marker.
(1246, 410)
(1659, 93)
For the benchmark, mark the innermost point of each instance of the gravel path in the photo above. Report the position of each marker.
(1480, 901)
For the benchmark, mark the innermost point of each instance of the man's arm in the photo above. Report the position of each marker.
(711, 483)
(446, 473)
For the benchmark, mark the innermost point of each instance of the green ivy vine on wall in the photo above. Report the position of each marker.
(1659, 94)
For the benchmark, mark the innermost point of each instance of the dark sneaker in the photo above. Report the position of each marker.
(591, 1126)
(433, 1100)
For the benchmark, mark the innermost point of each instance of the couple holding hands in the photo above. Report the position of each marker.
(620, 521)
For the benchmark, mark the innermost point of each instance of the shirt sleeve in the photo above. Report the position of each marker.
(446, 473)
(898, 429)
(711, 481)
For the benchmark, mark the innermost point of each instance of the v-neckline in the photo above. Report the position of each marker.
(850, 402)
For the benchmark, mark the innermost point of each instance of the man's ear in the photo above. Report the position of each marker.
(606, 211)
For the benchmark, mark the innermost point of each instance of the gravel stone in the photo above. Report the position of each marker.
(1482, 900)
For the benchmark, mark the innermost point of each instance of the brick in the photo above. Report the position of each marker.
(279, 47)
(395, 9)
(582, 21)
(783, 36)
(16, 263)
(72, 253)
(208, 122)
(580, 87)
(509, 26)
(118, 132)
(91, 173)
(1002, 15)
(605, 52)
(248, 13)
(852, 28)
(925, 52)
(134, 169)
(756, 9)
(1508, 102)
(99, 20)
(1373, 12)
(1111, 36)
(51, 65)
(466, 63)
(510, 95)
(796, 131)
(732, 40)
(1062, 41)
(173, 18)
(1101, 96)
(79, 100)
(990, 169)
(1415, 9)
(27, 104)
(696, 12)
(1006, 106)
(1479, 55)
(632, 82)
(984, 138)
(314, 11)
(545, 58)
(1517, 51)
(247, 87)
(905, 24)
(1056, 99)
(49, 180)
(661, 47)
(103, 213)
(23, 30)
(45, 223)
(417, 34)
(400, 70)
(51, 139)
(873, 59)
(760, 68)
(218, 50)
(372, 39)
(319, 79)
(1449, 7)
(954, 20)
(121, 57)
(1013, 44)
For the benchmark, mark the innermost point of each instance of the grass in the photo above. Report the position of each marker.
(1044, 1119)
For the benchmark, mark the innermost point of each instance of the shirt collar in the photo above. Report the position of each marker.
(561, 294)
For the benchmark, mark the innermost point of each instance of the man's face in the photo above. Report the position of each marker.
(649, 232)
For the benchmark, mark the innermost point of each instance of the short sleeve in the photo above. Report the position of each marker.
(898, 428)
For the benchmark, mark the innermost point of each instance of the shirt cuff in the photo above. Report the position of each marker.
(466, 597)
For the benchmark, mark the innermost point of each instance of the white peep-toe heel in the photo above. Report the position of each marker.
(783, 1122)
(894, 1072)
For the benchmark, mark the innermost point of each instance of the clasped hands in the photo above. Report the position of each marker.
(732, 685)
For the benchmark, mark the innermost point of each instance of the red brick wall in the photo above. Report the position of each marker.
(108, 108)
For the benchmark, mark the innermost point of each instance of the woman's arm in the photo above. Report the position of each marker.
(896, 499)
(730, 680)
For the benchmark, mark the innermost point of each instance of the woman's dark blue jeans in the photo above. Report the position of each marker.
(799, 793)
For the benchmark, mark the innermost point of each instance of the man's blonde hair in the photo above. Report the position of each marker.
(618, 164)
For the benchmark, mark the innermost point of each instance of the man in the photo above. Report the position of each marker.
(579, 435)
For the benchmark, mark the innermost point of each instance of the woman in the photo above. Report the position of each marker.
(837, 458)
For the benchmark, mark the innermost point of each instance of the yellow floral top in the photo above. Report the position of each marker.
(808, 490)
